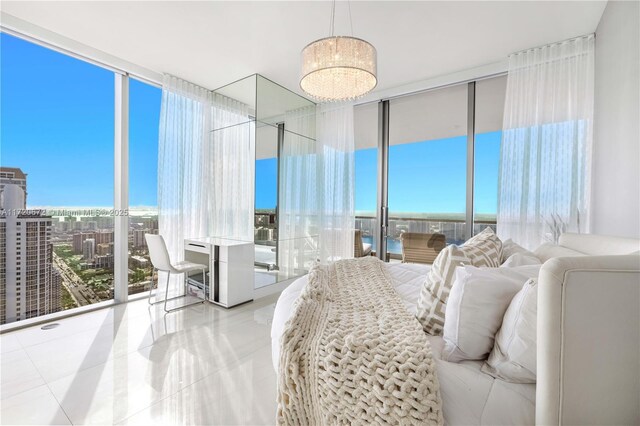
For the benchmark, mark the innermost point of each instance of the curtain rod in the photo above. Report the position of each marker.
(429, 89)
(542, 46)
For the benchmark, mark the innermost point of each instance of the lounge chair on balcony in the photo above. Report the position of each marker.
(421, 248)
(360, 249)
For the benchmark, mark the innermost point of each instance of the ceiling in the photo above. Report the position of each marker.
(214, 43)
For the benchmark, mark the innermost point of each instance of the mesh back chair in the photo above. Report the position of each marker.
(161, 261)
(421, 248)
(360, 249)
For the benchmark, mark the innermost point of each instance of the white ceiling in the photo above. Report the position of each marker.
(215, 43)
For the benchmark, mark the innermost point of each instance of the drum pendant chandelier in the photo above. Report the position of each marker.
(338, 68)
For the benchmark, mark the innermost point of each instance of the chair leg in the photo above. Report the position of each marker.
(177, 297)
(166, 293)
(163, 300)
(151, 285)
(204, 285)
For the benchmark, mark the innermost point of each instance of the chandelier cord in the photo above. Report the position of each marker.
(332, 24)
(350, 18)
(333, 17)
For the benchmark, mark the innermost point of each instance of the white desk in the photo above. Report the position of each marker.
(230, 263)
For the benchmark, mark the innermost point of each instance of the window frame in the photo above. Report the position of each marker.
(382, 211)
(120, 182)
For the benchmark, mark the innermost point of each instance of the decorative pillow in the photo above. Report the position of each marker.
(509, 248)
(513, 357)
(520, 259)
(478, 301)
(483, 249)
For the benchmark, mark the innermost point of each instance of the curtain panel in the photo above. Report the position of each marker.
(545, 160)
(336, 181)
(297, 193)
(231, 169)
(185, 124)
(205, 167)
(206, 173)
(316, 190)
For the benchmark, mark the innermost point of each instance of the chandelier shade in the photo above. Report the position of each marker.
(338, 68)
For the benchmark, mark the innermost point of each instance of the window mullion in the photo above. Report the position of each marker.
(121, 188)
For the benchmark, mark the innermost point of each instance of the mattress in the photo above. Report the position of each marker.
(469, 396)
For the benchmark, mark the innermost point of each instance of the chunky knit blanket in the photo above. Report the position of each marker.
(352, 354)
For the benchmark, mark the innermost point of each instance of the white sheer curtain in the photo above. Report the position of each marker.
(545, 163)
(185, 124)
(230, 173)
(297, 195)
(335, 181)
(205, 177)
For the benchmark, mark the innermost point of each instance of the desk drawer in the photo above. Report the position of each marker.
(197, 247)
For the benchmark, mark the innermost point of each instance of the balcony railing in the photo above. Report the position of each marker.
(453, 228)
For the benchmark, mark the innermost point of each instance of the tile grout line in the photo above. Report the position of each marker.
(34, 367)
(183, 388)
(85, 331)
(236, 317)
(46, 383)
(61, 322)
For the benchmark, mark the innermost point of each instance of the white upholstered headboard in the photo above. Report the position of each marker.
(588, 354)
(599, 245)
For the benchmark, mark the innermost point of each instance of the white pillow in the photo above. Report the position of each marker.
(477, 303)
(513, 357)
(520, 259)
(509, 248)
(483, 249)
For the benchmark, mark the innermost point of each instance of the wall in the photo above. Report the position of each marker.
(616, 155)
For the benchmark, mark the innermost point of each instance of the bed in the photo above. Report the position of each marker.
(469, 395)
(588, 340)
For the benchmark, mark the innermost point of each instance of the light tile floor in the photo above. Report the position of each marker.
(131, 364)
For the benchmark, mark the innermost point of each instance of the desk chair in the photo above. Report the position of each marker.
(421, 248)
(161, 261)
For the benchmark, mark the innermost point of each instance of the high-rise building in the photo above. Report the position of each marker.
(55, 289)
(28, 286)
(105, 261)
(13, 176)
(88, 249)
(99, 237)
(103, 237)
(264, 234)
(105, 248)
(79, 238)
(61, 227)
(138, 238)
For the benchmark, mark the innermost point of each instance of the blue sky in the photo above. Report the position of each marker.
(266, 183)
(57, 116)
(427, 177)
(430, 176)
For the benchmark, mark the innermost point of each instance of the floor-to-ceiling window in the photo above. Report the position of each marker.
(366, 171)
(57, 181)
(429, 157)
(144, 116)
(427, 165)
(489, 107)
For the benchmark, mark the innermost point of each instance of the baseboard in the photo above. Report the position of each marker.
(272, 289)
